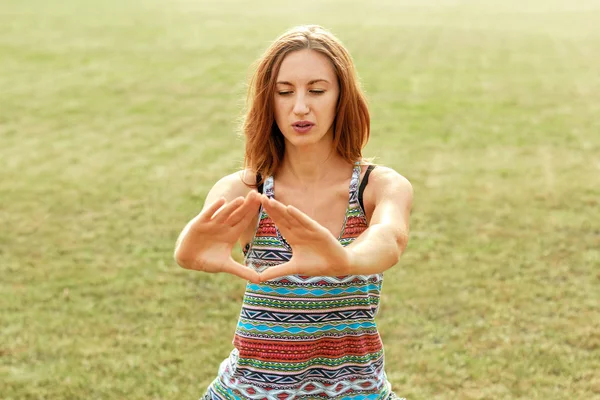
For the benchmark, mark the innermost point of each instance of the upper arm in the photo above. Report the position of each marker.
(392, 196)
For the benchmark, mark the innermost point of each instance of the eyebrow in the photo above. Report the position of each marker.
(310, 82)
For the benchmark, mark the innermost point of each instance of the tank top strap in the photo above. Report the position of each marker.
(354, 185)
(268, 187)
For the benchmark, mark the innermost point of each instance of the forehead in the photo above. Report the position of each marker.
(306, 65)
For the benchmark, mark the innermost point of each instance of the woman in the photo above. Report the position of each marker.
(316, 237)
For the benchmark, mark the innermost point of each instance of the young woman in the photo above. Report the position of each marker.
(316, 237)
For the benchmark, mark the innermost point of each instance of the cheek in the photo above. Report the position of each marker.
(278, 108)
(331, 105)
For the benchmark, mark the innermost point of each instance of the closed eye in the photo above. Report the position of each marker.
(288, 92)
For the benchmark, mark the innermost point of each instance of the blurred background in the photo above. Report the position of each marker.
(116, 118)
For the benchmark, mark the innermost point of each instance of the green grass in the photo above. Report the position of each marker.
(116, 118)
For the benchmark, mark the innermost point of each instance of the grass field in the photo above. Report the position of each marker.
(116, 117)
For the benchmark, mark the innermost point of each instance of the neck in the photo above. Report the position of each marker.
(311, 164)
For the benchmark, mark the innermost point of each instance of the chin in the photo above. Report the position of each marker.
(299, 140)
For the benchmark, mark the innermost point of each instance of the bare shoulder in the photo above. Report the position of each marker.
(386, 181)
(237, 184)
(386, 187)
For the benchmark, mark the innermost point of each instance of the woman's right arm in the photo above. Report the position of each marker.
(206, 242)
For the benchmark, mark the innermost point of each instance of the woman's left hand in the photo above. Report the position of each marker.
(316, 252)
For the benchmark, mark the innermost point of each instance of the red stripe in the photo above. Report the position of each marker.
(306, 350)
(267, 228)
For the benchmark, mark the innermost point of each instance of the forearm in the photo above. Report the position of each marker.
(377, 249)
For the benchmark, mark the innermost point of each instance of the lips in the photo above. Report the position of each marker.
(302, 124)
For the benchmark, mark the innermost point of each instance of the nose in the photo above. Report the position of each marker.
(301, 105)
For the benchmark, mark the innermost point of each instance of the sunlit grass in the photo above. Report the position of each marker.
(117, 117)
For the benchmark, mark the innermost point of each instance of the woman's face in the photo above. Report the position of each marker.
(306, 96)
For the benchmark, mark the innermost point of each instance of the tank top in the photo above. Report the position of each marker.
(305, 337)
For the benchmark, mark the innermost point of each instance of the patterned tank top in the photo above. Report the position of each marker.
(301, 337)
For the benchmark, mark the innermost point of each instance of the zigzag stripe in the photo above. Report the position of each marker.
(309, 329)
(263, 302)
(368, 308)
(269, 255)
(304, 318)
(338, 297)
(329, 280)
(261, 288)
(348, 372)
(283, 337)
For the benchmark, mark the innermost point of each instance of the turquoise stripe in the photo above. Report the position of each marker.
(374, 396)
(315, 292)
(217, 388)
(310, 329)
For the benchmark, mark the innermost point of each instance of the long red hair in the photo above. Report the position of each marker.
(264, 141)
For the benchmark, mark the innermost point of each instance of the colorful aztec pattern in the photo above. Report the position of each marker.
(301, 337)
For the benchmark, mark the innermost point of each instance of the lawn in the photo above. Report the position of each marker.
(116, 118)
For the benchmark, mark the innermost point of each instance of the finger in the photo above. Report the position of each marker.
(280, 210)
(222, 214)
(247, 211)
(304, 220)
(249, 217)
(277, 212)
(287, 268)
(272, 203)
(206, 214)
(237, 269)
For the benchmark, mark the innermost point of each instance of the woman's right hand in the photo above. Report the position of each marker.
(208, 239)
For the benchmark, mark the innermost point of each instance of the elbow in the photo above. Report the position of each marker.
(391, 255)
(401, 243)
(395, 257)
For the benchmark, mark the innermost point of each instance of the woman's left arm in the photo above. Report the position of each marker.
(316, 252)
(380, 246)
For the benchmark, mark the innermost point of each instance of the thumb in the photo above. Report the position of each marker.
(237, 269)
(287, 268)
